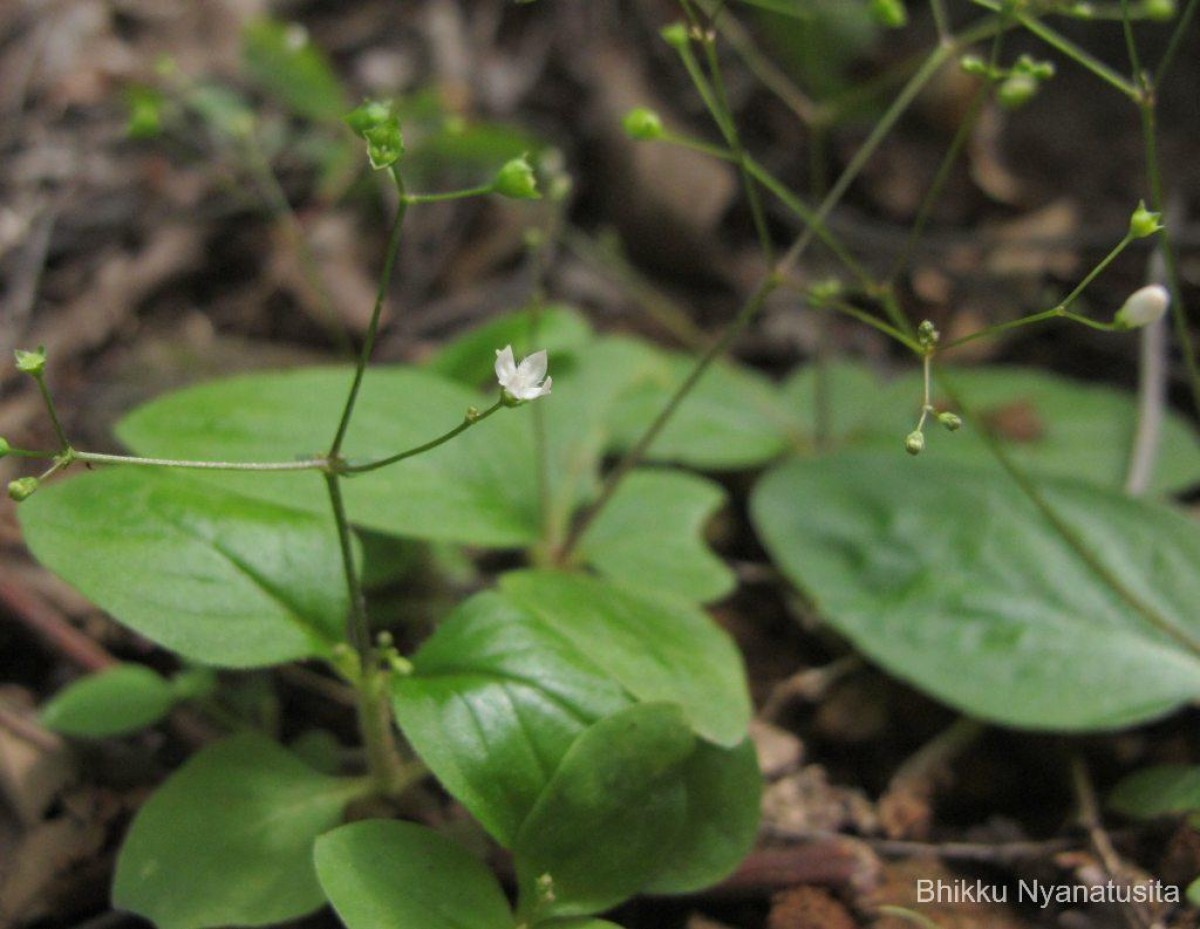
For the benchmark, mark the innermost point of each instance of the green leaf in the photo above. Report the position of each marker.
(601, 825)
(496, 698)
(723, 789)
(482, 487)
(651, 536)
(575, 922)
(404, 876)
(228, 839)
(282, 59)
(216, 577)
(477, 489)
(471, 358)
(732, 419)
(1164, 790)
(952, 579)
(114, 701)
(658, 649)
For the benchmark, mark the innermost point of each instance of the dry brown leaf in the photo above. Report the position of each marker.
(35, 765)
(805, 802)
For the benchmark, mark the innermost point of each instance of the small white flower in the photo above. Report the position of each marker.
(1143, 307)
(522, 381)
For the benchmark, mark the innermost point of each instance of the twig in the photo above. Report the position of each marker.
(51, 627)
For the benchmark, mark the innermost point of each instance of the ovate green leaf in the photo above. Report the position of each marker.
(651, 536)
(217, 577)
(228, 839)
(733, 418)
(404, 876)
(723, 787)
(658, 649)
(951, 578)
(117, 700)
(1163, 790)
(497, 697)
(610, 810)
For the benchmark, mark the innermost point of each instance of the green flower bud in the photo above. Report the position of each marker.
(1016, 90)
(824, 291)
(914, 443)
(951, 421)
(1144, 222)
(1082, 11)
(33, 363)
(675, 35)
(375, 123)
(22, 488)
(973, 64)
(4, 447)
(890, 14)
(1145, 306)
(516, 180)
(643, 124)
(1159, 10)
(1041, 70)
(927, 335)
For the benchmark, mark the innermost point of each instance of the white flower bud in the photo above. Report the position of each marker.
(1143, 307)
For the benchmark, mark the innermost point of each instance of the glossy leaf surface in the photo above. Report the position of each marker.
(220, 578)
(404, 876)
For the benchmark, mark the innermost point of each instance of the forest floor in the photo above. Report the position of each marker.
(146, 264)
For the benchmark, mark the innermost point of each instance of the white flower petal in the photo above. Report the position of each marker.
(533, 368)
(522, 381)
(506, 366)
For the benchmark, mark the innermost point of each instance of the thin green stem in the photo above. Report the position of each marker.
(1076, 541)
(358, 629)
(59, 432)
(448, 195)
(1053, 313)
(1182, 25)
(933, 194)
(473, 416)
(1064, 45)
(1096, 271)
(1135, 65)
(767, 286)
(303, 464)
(904, 99)
(716, 100)
(812, 219)
(389, 774)
(631, 458)
(735, 143)
(368, 347)
(264, 173)
(37, 453)
(765, 70)
(849, 309)
(941, 21)
(1148, 113)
